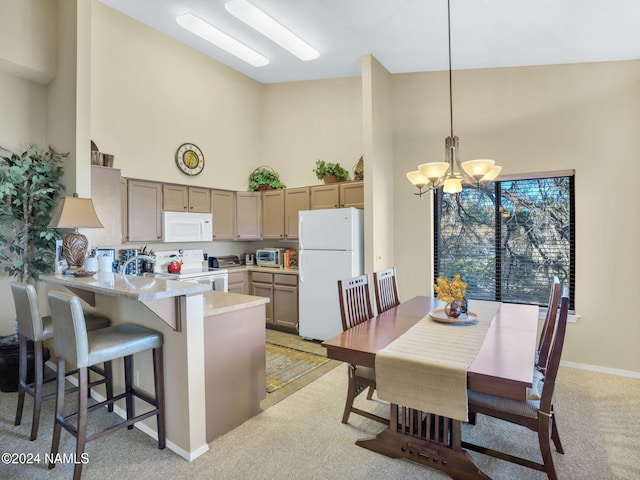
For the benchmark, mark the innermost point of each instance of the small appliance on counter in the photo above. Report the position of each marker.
(191, 269)
(249, 259)
(224, 261)
(270, 257)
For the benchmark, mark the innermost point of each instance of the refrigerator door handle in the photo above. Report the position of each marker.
(300, 247)
(300, 274)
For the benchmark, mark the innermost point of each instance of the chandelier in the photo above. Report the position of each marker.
(434, 175)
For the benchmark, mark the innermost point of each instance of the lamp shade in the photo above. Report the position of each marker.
(433, 170)
(417, 178)
(75, 212)
(478, 168)
(452, 185)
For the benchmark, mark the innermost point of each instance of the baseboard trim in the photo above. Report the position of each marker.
(599, 369)
(189, 456)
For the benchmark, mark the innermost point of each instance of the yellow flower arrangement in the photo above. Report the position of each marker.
(448, 291)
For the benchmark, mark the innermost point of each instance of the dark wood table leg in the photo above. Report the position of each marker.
(427, 439)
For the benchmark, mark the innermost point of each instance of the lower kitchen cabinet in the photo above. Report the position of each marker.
(282, 291)
(238, 282)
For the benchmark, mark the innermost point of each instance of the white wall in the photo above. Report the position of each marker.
(583, 117)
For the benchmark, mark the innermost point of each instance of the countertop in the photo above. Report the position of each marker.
(216, 303)
(132, 287)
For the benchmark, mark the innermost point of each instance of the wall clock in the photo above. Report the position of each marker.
(190, 159)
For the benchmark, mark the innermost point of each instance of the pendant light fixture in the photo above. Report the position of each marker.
(434, 175)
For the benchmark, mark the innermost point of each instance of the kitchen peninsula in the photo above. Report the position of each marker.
(214, 351)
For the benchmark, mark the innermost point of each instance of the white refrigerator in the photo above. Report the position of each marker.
(331, 248)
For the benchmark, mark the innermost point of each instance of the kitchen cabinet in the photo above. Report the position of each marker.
(144, 211)
(182, 198)
(273, 214)
(324, 196)
(123, 210)
(262, 286)
(295, 200)
(337, 195)
(248, 215)
(282, 291)
(105, 194)
(351, 194)
(223, 208)
(239, 282)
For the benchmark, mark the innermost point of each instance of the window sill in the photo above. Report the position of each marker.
(571, 318)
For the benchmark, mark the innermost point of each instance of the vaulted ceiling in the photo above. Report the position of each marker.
(411, 35)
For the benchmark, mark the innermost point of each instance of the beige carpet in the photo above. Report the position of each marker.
(301, 437)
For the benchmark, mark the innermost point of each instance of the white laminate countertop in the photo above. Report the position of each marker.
(130, 286)
(216, 303)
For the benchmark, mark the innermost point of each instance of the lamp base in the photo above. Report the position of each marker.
(74, 249)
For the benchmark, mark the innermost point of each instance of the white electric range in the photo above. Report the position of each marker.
(194, 269)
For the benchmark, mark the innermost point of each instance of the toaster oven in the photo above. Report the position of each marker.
(270, 257)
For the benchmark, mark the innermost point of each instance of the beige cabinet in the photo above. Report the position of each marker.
(337, 195)
(351, 194)
(273, 214)
(239, 282)
(182, 198)
(262, 286)
(295, 200)
(248, 215)
(324, 196)
(285, 301)
(123, 210)
(144, 211)
(282, 291)
(106, 197)
(223, 209)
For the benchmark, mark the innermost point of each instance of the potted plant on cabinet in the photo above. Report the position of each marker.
(29, 188)
(330, 172)
(265, 178)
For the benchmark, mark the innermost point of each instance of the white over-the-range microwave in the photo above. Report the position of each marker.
(187, 227)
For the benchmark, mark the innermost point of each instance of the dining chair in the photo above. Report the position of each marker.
(385, 285)
(544, 342)
(536, 415)
(355, 308)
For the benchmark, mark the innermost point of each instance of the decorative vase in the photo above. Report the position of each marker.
(453, 309)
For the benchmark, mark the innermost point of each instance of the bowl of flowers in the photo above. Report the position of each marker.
(452, 292)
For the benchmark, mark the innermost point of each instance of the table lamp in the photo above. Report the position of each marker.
(74, 212)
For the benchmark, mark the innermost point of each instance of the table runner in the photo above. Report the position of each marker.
(426, 367)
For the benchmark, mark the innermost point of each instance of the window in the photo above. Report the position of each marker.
(509, 238)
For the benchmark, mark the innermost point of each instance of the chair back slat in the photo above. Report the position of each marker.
(544, 343)
(355, 301)
(386, 289)
(556, 352)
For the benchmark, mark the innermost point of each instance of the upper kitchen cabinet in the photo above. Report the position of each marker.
(123, 209)
(106, 196)
(352, 194)
(295, 200)
(273, 214)
(144, 211)
(223, 208)
(337, 195)
(248, 215)
(181, 198)
(324, 196)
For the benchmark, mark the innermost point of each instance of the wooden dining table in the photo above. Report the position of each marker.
(503, 366)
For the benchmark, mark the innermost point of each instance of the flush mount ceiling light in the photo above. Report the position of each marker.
(220, 39)
(267, 26)
(434, 175)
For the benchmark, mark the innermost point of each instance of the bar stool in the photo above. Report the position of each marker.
(74, 344)
(31, 326)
